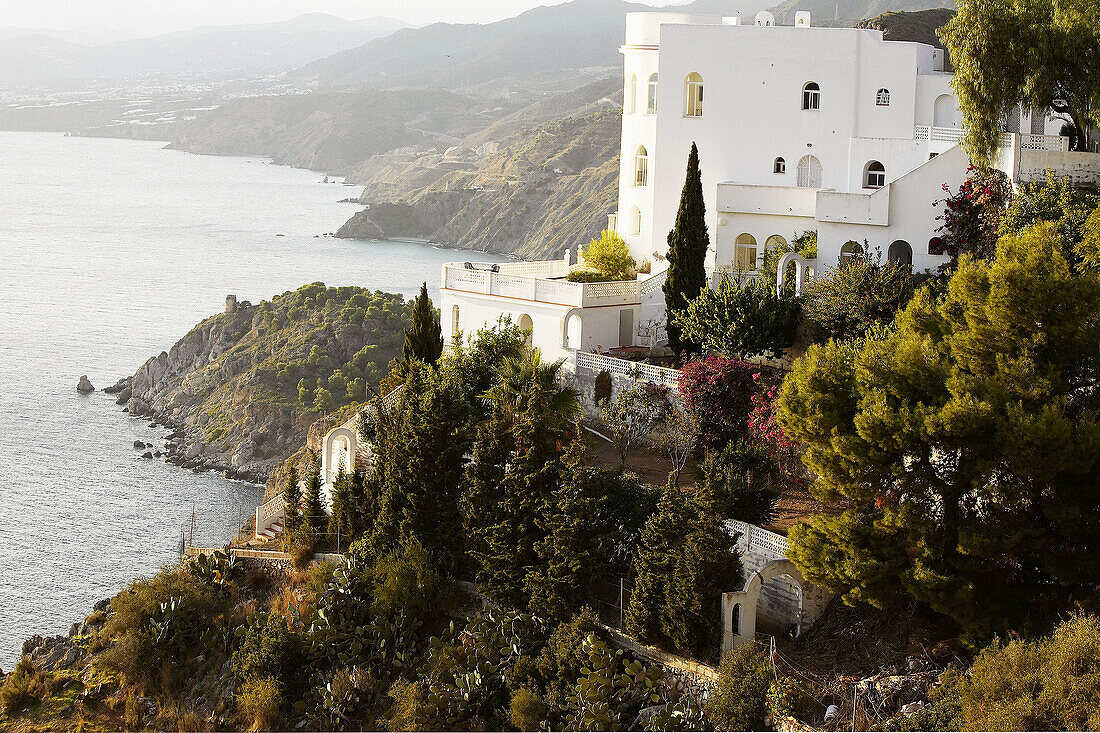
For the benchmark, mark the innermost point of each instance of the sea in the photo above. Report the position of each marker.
(110, 251)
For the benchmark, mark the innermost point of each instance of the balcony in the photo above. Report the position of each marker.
(1055, 143)
(540, 282)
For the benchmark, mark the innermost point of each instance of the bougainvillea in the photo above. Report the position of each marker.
(766, 431)
(971, 216)
(719, 390)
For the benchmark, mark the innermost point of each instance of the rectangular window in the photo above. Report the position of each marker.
(694, 99)
(641, 170)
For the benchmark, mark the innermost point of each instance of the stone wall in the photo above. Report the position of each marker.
(681, 676)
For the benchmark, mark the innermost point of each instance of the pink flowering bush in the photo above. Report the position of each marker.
(719, 391)
(764, 430)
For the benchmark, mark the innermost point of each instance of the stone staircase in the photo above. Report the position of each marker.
(271, 532)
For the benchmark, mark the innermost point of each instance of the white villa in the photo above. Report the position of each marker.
(798, 128)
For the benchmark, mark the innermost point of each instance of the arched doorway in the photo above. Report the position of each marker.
(771, 601)
(573, 332)
(809, 172)
(900, 251)
(850, 250)
(744, 253)
(528, 327)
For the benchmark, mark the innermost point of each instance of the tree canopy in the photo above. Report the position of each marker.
(741, 318)
(1042, 54)
(959, 447)
(423, 337)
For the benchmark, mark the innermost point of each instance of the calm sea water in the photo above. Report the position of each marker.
(110, 250)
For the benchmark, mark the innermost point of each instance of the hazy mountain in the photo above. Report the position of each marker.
(572, 35)
(91, 34)
(846, 12)
(209, 52)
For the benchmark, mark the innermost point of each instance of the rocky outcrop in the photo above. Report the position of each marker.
(51, 653)
(84, 386)
(226, 391)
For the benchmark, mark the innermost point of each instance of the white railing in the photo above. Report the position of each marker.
(541, 289)
(754, 539)
(652, 284)
(1055, 143)
(938, 134)
(270, 512)
(636, 370)
(544, 268)
(1027, 141)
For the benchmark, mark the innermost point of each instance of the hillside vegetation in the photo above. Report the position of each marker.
(242, 388)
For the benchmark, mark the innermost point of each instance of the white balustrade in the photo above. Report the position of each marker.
(625, 367)
(755, 539)
(532, 281)
(652, 284)
(512, 286)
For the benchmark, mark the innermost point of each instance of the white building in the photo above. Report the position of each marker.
(798, 128)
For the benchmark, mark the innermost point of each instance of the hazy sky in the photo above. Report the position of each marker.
(147, 17)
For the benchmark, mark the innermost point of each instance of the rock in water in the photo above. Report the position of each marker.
(84, 386)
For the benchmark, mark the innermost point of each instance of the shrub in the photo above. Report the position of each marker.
(972, 216)
(406, 581)
(527, 710)
(856, 296)
(132, 717)
(1052, 683)
(719, 390)
(129, 658)
(610, 256)
(740, 700)
(260, 703)
(300, 556)
(407, 710)
(587, 276)
(602, 391)
(267, 649)
(741, 318)
(24, 686)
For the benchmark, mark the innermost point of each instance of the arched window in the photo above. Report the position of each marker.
(630, 97)
(651, 95)
(850, 250)
(935, 246)
(874, 175)
(634, 223)
(882, 99)
(735, 619)
(744, 255)
(811, 96)
(775, 241)
(779, 166)
(454, 322)
(900, 251)
(693, 95)
(641, 167)
(809, 172)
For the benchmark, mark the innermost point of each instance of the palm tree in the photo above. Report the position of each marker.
(527, 387)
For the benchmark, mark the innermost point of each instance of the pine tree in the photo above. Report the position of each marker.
(687, 251)
(313, 510)
(423, 338)
(292, 495)
(654, 566)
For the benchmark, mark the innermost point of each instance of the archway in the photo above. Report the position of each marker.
(850, 250)
(740, 609)
(900, 251)
(573, 332)
(338, 451)
(528, 327)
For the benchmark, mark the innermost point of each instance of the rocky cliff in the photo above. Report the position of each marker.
(532, 194)
(240, 391)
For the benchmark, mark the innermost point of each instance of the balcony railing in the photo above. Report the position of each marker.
(637, 370)
(1027, 141)
(537, 281)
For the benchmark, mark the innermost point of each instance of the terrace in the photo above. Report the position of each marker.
(540, 282)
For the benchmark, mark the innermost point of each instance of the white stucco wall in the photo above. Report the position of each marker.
(753, 79)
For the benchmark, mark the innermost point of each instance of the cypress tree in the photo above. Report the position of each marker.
(423, 338)
(313, 510)
(292, 495)
(687, 252)
(340, 521)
